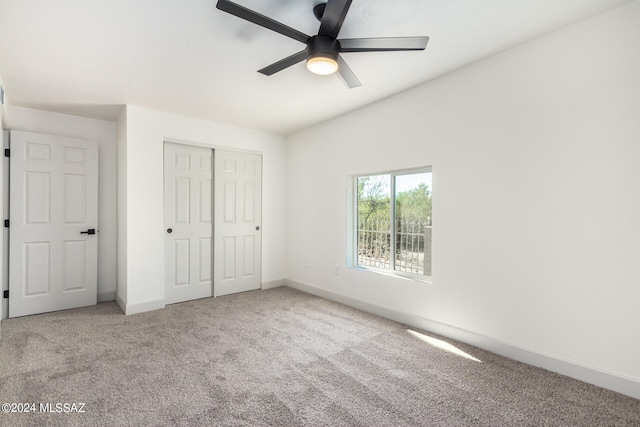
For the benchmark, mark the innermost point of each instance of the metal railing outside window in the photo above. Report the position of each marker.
(412, 252)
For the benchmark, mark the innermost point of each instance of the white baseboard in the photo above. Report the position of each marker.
(106, 296)
(121, 303)
(140, 307)
(609, 380)
(273, 284)
(157, 304)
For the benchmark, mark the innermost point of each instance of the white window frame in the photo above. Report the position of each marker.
(352, 221)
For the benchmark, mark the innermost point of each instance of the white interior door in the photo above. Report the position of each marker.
(238, 210)
(54, 216)
(188, 213)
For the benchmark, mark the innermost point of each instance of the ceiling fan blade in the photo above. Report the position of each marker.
(334, 13)
(346, 75)
(383, 44)
(263, 21)
(284, 63)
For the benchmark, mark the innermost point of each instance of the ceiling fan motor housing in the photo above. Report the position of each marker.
(323, 46)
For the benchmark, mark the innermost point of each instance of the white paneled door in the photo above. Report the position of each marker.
(238, 201)
(54, 220)
(188, 213)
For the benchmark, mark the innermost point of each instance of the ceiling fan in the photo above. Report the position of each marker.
(322, 52)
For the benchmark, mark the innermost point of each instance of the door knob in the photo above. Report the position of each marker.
(89, 231)
(169, 230)
(258, 228)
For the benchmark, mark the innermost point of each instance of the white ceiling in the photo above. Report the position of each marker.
(90, 57)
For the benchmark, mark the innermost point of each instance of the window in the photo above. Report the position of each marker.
(392, 222)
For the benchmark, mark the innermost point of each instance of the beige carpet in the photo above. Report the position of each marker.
(280, 358)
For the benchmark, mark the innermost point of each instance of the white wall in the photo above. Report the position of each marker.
(141, 211)
(536, 238)
(104, 133)
(122, 205)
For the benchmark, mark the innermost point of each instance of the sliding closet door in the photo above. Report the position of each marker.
(238, 210)
(188, 214)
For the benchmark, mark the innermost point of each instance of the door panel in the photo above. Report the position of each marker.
(53, 199)
(37, 194)
(248, 254)
(238, 241)
(206, 205)
(74, 254)
(230, 202)
(229, 257)
(249, 202)
(75, 199)
(188, 186)
(36, 265)
(205, 254)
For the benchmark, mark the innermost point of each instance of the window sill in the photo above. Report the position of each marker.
(395, 274)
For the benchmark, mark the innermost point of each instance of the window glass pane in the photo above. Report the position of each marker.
(413, 223)
(374, 224)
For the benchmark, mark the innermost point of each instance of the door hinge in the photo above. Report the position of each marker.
(6, 294)
(7, 152)
(6, 223)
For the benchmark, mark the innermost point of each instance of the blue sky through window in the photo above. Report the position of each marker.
(409, 182)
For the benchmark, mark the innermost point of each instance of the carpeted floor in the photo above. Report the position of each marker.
(278, 357)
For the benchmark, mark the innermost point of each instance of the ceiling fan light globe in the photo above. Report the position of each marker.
(322, 65)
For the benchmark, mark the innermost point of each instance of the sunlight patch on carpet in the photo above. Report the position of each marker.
(442, 345)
